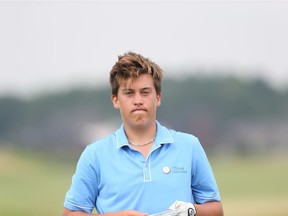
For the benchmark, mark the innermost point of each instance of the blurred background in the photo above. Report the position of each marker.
(226, 81)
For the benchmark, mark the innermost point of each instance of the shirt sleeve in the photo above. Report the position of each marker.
(83, 191)
(204, 186)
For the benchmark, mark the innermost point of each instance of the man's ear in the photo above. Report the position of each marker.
(114, 99)
(158, 98)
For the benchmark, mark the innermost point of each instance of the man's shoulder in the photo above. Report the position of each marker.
(103, 142)
(176, 135)
(182, 135)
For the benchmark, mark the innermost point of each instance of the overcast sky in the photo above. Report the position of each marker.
(51, 45)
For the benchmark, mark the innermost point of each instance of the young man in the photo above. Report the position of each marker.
(143, 168)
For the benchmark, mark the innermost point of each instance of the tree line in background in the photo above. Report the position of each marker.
(227, 114)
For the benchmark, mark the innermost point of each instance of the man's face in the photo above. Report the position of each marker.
(138, 102)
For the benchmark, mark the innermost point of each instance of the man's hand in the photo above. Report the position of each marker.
(183, 208)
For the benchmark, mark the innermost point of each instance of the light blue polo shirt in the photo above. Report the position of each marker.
(110, 176)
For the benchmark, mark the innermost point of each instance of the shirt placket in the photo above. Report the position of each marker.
(146, 170)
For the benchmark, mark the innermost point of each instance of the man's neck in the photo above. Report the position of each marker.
(140, 135)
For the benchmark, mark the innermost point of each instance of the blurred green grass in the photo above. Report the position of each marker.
(254, 185)
(32, 183)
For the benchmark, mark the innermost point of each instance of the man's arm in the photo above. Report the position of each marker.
(68, 212)
(209, 209)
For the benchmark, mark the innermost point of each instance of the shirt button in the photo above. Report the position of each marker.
(166, 170)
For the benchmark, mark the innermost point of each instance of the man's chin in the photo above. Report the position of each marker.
(140, 122)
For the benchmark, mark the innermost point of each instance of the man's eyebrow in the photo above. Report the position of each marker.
(127, 90)
(148, 87)
(145, 88)
(141, 89)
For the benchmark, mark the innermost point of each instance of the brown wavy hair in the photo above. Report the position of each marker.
(131, 65)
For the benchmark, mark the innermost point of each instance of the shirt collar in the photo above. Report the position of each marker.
(163, 136)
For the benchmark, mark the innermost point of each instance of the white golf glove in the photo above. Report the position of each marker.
(183, 208)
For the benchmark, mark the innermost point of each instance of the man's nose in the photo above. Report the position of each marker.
(138, 99)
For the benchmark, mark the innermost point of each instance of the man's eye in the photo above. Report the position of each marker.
(128, 93)
(145, 92)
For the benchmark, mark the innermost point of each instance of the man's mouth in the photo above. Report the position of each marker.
(139, 110)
